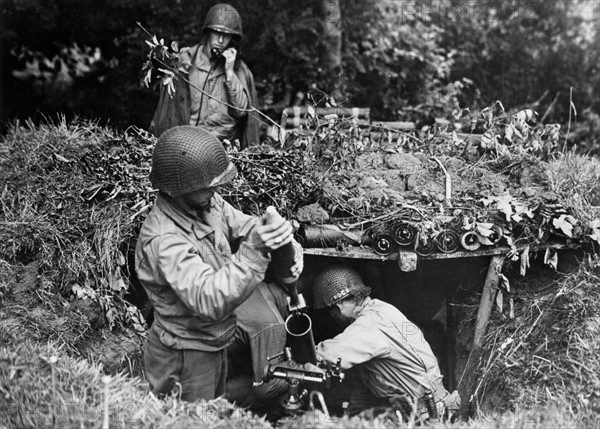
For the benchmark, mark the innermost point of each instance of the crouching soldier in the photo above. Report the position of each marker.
(395, 364)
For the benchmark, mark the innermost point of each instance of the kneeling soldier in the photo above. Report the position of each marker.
(395, 364)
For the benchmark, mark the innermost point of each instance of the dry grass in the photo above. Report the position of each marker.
(41, 386)
(70, 196)
(547, 355)
(576, 180)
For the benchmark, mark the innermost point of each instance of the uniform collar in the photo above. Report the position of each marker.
(184, 220)
(367, 302)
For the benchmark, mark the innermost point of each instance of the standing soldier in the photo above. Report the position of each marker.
(198, 259)
(218, 89)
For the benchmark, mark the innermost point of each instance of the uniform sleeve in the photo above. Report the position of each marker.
(237, 97)
(359, 343)
(213, 294)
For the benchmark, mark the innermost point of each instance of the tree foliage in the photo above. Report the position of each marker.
(517, 51)
(403, 59)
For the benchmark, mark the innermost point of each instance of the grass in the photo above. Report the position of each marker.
(70, 193)
(547, 356)
(576, 180)
(41, 386)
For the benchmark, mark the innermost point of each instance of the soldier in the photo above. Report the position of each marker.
(198, 259)
(395, 364)
(220, 88)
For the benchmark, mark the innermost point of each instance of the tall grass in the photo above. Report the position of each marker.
(576, 180)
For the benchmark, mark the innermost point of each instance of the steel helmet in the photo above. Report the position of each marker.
(224, 18)
(187, 159)
(336, 283)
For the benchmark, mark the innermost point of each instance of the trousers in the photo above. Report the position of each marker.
(194, 374)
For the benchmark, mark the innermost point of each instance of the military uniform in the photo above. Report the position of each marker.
(209, 100)
(395, 364)
(196, 269)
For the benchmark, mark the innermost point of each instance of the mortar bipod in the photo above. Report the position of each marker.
(286, 368)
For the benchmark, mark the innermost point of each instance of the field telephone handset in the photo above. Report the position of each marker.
(217, 56)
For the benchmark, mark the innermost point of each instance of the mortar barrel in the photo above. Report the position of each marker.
(300, 338)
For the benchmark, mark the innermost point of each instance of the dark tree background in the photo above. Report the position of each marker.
(406, 60)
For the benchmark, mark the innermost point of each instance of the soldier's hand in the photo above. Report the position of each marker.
(229, 54)
(272, 235)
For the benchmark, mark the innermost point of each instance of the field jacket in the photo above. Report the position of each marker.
(192, 277)
(390, 351)
(218, 118)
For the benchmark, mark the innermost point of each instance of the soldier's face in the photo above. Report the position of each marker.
(344, 312)
(218, 40)
(199, 201)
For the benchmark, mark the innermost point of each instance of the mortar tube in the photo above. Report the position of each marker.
(300, 337)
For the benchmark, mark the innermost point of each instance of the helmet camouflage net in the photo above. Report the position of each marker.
(187, 159)
(224, 18)
(336, 283)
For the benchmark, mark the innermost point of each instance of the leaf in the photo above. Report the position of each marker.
(524, 261)
(169, 73)
(595, 235)
(551, 258)
(148, 78)
(500, 301)
(487, 201)
(488, 140)
(508, 134)
(505, 207)
(511, 311)
(116, 282)
(171, 88)
(484, 229)
(525, 115)
(562, 223)
(468, 224)
(83, 292)
(503, 282)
